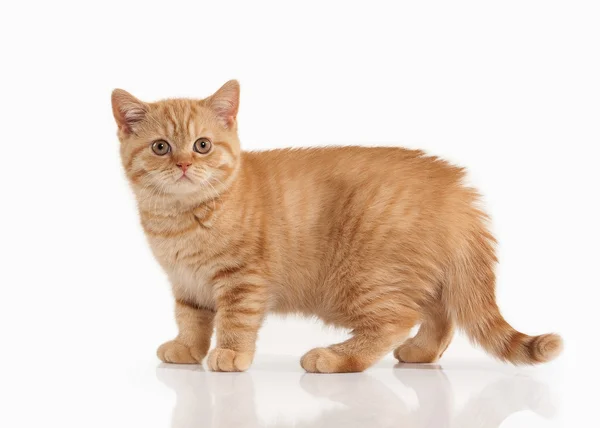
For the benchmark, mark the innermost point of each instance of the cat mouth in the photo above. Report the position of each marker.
(184, 178)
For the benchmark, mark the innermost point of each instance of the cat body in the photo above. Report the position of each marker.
(331, 220)
(374, 240)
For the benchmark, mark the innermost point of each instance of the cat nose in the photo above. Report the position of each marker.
(184, 166)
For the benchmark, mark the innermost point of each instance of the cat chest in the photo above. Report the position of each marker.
(192, 284)
(182, 260)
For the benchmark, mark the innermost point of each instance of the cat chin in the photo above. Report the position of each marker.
(184, 188)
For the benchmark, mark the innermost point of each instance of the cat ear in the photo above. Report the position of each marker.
(127, 109)
(225, 102)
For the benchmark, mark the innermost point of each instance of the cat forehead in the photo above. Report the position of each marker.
(179, 117)
(179, 109)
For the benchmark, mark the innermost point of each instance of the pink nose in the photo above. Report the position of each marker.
(184, 166)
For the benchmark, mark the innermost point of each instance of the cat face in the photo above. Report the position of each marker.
(179, 146)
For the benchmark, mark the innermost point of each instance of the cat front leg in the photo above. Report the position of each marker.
(193, 341)
(241, 306)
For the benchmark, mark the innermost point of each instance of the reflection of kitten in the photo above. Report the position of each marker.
(207, 399)
(371, 239)
(501, 399)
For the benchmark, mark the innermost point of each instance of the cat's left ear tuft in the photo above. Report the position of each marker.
(225, 102)
(128, 110)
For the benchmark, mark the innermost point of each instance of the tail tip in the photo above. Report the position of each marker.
(546, 347)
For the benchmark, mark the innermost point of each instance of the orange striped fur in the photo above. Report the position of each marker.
(375, 240)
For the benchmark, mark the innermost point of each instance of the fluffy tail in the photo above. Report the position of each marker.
(471, 299)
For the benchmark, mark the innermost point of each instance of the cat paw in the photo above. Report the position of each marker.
(410, 353)
(228, 360)
(177, 353)
(325, 360)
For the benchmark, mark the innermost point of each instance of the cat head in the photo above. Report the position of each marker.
(179, 147)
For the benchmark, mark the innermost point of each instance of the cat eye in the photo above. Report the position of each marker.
(202, 146)
(161, 147)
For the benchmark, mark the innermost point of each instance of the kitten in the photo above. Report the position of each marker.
(374, 240)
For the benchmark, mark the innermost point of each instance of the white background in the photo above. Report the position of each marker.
(508, 89)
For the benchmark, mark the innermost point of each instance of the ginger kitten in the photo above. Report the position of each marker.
(374, 240)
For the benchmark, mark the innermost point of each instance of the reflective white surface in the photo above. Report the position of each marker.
(275, 393)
